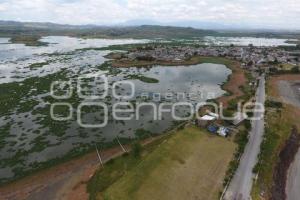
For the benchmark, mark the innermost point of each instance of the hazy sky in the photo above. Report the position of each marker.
(255, 13)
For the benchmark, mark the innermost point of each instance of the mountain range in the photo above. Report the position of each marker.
(136, 29)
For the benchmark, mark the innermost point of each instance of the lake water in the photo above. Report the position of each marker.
(245, 41)
(239, 41)
(29, 136)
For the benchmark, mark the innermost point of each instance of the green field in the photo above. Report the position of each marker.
(190, 164)
(142, 78)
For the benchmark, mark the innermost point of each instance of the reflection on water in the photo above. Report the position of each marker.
(239, 41)
(15, 59)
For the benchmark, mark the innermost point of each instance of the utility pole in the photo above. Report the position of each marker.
(121, 145)
(99, 157)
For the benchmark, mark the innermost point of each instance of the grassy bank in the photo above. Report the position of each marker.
(188, 164)
(142, 78)
(193, 61)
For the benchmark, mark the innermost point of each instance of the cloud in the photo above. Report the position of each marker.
(267, 13)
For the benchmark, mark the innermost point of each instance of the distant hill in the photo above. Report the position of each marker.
(12, 28)
(184, 23)
(154, 31)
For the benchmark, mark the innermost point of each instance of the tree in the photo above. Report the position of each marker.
(295, 70)
(273, 70)
(250, 63)
(136, 149)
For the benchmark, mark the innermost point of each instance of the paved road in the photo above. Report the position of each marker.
(241, 184)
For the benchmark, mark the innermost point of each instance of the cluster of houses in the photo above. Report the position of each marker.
(259, 57)
(212, 122)
(250, 56)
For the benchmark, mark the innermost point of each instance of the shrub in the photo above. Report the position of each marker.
(248, 124)
(273, 104)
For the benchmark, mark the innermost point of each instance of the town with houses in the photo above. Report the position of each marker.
(251, 57)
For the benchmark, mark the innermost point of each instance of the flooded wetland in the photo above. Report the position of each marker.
(30, 138)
